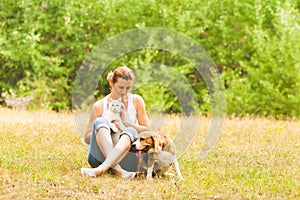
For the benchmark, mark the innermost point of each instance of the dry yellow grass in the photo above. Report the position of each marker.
(255, 158)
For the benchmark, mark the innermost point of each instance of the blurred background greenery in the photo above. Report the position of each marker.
(255, 45)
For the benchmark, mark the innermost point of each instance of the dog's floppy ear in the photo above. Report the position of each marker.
(157, 143)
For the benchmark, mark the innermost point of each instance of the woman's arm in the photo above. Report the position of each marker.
(143, 120)
(96, 112)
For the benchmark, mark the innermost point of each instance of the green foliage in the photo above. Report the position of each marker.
(255, 45)
(171, 89)
(267, 83)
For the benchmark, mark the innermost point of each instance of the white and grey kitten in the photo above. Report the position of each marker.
(113, 114)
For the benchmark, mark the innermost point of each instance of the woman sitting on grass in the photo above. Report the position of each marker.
(110, 149)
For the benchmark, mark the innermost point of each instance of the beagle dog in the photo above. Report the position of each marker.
(161, 153)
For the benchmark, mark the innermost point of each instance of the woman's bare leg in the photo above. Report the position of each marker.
(104, 140)
(113, 154)
(106, 143)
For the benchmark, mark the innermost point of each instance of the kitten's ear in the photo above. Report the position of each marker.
(120, 99)
(108, 102)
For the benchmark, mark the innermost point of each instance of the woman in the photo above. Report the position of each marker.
(108, 149)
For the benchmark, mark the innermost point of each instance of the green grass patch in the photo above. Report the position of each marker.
(41, 156)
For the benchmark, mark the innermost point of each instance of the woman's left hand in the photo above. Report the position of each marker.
(125, 117)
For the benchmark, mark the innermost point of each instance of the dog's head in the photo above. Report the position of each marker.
(148, 142)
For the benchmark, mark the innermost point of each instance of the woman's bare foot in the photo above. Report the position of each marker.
(117, 171)
(123, 173)
(94, 172)
(88, 172)
(128, 175)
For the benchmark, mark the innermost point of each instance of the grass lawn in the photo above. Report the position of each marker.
(255, 158)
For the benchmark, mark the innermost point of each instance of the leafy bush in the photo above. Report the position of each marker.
(255, 45)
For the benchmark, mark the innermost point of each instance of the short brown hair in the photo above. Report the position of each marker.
(120, 72)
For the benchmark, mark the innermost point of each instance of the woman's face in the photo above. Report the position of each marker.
(121, 88)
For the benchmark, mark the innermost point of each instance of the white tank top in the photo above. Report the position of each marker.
(130, 109)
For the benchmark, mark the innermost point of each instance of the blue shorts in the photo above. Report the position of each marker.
(96, 157)
(101, 122)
